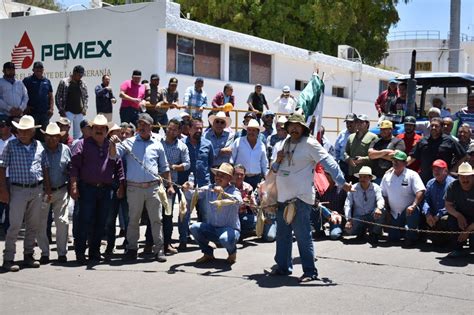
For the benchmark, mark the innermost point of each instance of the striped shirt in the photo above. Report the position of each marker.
(465, 117)
(25, 162)
(176, 153)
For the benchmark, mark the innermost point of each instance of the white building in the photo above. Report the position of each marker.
(12, 9)
(154, 38)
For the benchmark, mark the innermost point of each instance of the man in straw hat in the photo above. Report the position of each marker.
(59, 157)
(294, 167)
(93, 169)
(366, 203)
(459, 201)
(220, 138)
(28, 167)
(251, 153)
(403, 191)
(143, 183)
(222, 224)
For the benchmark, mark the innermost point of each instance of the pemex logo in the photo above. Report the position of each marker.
(23, 54)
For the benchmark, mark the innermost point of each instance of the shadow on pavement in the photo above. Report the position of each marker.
(221, 265)
(456, 262)
(265, 280)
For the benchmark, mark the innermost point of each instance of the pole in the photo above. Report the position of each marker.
(411, 87)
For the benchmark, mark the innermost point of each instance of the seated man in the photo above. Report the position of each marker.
(403, 191)
(434, 209)
(222, 200)
(365, 203)
(247, 217)
(459, 201)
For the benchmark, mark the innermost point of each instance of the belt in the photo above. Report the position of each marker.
(27, 185)
(145, 184)
(58, 188)
(252, 175)
(98, 185)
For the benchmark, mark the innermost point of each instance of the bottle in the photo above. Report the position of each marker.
(191, 178)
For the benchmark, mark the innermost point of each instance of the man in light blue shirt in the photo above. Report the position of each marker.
(195, 96)
(220, 138)
(341, 140)
(13, 93)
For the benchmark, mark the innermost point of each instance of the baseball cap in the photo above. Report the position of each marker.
(38, 65)
(350, 117)
(386, 124)
(409, 120)
(136, 73)
(199, 79)
(268, 113)
(173, 80)
(362, 117)
(440, 163)
(64, 121)
(286, 89)
(78, 69)
(8, 65)
(146, 118)
(392, 81)
(258, 85)
(251, 115)
(154, 76)
(400, 155)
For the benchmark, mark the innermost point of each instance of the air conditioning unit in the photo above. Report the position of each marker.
(346, 52)
(19, 14)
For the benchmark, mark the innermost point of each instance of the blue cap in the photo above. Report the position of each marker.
(268, 112)
(199, 79)
(393, 81)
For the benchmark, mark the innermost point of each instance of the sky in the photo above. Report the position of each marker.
(416, 15)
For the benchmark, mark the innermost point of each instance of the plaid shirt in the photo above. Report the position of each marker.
(25, 166)
(194, 98)
(61, 94)
(176, 153)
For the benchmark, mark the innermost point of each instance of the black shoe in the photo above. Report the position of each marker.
(81, 259)
(30, 261)
(374, 240)
(62, 259)
(130, 255)
(44, 260)
(277, 272)
(160, 257)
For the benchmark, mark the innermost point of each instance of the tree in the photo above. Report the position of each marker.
(316, 25)
(45, 4)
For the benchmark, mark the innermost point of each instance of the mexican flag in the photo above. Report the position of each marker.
(311, 101)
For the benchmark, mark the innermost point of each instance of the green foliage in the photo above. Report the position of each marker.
(316, 25)
(45, 4)
(120, 2)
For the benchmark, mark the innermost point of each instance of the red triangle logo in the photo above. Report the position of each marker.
(23, 54)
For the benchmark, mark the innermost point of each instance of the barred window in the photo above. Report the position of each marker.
(249, 66)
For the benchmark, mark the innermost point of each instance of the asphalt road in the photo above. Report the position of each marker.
(354, 278)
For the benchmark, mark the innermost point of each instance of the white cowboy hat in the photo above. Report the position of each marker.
(441, 98)
(64, 121)
(26, 122)
(100, 120)
(282, 120)
(220, 115)
(464, 169)
(365, 170)
(254, 124)
(53, 130)
(225, 168)
(113, 126)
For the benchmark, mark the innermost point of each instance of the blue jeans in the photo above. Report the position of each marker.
(301, 226)
(117, 206)
(269, 231)
(335, 230)
(94, 205)
(248, 222)
(359, 228)
(204, 233)
(406, 221)
(129, 114)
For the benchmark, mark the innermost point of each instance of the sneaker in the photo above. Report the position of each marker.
(277, 272)
(148, 249)
(182, 247)
(62, 259)
(160, 257)
(130, 255)
(205, 258)
(232, 258)
(9, 265)
(305, 278)
(30, 261)
(170, 250)
(44, 260)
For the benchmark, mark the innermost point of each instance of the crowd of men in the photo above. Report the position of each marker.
(137, 173)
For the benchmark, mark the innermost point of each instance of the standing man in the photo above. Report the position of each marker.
(268, 117)
(93, 168)
(294, 167)
(104, 98)
(143, 183)
(65, 125)
(257, 100)
(5, 136)
(177, 154)
(410, 138)
(224, 97)
(387, 98)
(403, 191)
(72, 99)
(251, 153)
(40, 97)
(382, 149)
(153, 96)
(196, 98)
(286, 103)
(13, 93)
(132, 93)
(341, 141)
(436, 146)
(59, 157)
(220, 138)
(357, 147)
(28, 168)
(280, 135)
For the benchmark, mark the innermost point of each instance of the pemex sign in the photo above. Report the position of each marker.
(23, 54)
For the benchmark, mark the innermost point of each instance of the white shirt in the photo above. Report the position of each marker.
(3, 144)
(285, 105)
(277, 147)
(254, 159)
(401, 190)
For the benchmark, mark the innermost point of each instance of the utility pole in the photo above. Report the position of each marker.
(454, 35)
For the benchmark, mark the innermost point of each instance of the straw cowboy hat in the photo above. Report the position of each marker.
(113, 126)
(100, 120)
(220, 115)
(26, 122)
(282, 120)
(365, 170)
(53, 130)
(254, 124)
(465, 169)
(225, 168)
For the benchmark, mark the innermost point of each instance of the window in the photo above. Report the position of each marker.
(423, 66)
(383, 85)
(250, 67)
(194, 57)
(338, 91)
(300, 85)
